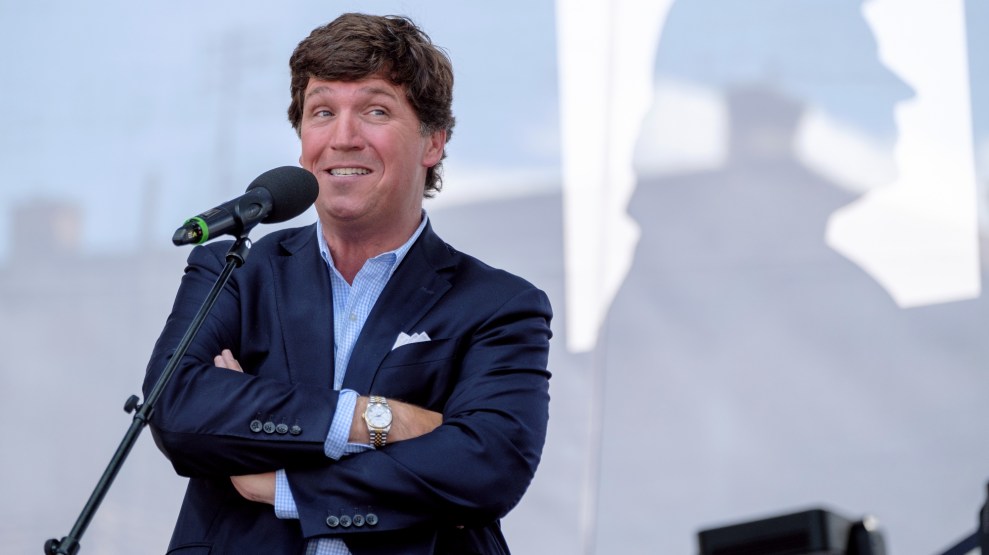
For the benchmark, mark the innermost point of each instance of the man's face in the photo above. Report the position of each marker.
(362, 141)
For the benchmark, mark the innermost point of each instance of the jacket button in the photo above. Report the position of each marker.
(371, 519)
(345, 521)
(282, 429)
(295, 430)
(332, 521)
(256, 426)
(358, 520)
(269, 427)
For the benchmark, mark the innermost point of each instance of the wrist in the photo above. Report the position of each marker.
(358, 428)
(378, 419)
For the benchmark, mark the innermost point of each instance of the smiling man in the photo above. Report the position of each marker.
(360, 387)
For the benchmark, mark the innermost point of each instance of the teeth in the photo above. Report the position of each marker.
(349, 171)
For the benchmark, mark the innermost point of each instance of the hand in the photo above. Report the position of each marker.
(259, 488)
(410, 421)
(226, 360)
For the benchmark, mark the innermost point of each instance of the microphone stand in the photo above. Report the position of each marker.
(69, 545)
(977, 539)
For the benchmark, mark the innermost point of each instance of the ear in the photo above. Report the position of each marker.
(433, 153)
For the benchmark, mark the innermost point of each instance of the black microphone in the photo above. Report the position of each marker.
(274, 196)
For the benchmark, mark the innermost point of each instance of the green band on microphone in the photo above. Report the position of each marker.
(204, 236)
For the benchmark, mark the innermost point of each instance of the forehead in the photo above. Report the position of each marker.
(363, 88)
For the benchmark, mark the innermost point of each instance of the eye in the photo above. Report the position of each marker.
(377, 112)
(322, 113)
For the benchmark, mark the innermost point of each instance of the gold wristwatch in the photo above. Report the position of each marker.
(377, 416)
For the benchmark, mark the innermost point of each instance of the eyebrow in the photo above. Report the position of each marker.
(370, 90)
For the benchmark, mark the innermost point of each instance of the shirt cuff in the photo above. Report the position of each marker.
(284, 501)
(336, 444)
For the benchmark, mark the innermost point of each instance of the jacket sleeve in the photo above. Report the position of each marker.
(473, 468)
(211, 421)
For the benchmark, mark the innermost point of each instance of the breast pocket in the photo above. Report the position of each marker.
(419, 373)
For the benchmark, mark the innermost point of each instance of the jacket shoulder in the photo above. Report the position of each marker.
(281, 241)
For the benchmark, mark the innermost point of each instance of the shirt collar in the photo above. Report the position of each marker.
(398, 253)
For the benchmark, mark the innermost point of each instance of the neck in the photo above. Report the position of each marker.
(351, 247)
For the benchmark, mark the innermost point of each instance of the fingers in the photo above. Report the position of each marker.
(259, 488)
(226, 360)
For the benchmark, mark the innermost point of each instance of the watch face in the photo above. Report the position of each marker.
(378, 416)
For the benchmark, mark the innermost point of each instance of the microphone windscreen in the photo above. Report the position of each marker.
(292, 189)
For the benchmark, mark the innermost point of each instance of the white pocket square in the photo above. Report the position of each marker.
(405, 339)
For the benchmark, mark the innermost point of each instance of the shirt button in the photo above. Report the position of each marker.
(353, 316)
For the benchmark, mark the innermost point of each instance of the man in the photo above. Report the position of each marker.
(386, 393)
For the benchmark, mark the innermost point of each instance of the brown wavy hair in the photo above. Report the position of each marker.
(357, 46)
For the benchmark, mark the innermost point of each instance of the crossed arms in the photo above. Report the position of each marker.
(489, 383)
(408, 421)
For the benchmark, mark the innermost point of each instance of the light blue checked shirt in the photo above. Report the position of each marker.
(351, 305)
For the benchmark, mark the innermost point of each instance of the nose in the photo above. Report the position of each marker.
(346, 133)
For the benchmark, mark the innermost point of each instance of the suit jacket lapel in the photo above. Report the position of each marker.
(305, 309)
(418, 283)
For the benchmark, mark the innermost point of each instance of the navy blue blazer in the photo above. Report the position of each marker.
(484, 369)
